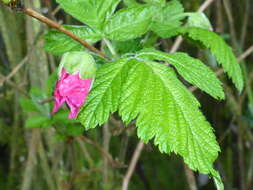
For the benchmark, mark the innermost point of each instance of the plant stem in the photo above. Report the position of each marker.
(110, 47)
(55, 25)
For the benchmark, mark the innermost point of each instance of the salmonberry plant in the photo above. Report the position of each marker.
(140, 82)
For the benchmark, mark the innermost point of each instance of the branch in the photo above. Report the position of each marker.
(132, 165)
(245, 54)
(205, 5)
(55, 25)
(14, 85)
(16, 6)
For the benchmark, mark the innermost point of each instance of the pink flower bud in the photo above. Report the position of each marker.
(71, 88)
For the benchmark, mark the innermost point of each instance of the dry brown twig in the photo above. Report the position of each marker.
(14, 71)
(15, 86)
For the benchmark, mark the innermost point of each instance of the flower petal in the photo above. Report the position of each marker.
(73, 110)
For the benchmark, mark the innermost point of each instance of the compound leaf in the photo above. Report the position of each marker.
(219, 49)
(166, 111)
(163, 107)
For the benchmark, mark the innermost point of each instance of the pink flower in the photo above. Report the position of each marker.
(73, 90)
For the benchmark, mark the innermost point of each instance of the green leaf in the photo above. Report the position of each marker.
(59, 43)
(70, 130)
(106, 8)
(105, 94)
(37, 121)
(200, 20)
(219, 49)
(168, 19)
(156, 2)
(192, 70)
(28, 105)
(90, 12)
(166, 111)
(60, 118)
(131, 3)
(129, 23)
(37, 95)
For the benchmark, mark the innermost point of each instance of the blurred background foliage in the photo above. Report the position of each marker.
(39, 151)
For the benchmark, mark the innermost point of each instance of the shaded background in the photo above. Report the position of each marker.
(39, 152)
